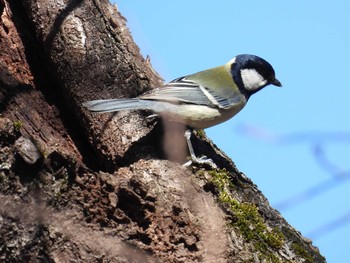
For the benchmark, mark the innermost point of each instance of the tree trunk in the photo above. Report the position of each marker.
(81, 187)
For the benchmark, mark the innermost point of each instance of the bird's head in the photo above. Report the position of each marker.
(252, 73)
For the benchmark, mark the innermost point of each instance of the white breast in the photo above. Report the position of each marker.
(200, 116)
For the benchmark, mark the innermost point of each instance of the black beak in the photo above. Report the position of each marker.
(276, 82)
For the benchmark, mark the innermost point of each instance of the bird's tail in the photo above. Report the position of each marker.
(118, 105)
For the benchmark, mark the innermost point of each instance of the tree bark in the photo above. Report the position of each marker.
(81, 187)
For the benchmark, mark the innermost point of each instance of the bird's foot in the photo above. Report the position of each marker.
(202, 160)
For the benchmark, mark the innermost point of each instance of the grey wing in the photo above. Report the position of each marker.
(183, 90)
(179, 91)
(226, 98)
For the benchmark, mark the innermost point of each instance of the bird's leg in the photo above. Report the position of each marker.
(201, 160)
(188, 134)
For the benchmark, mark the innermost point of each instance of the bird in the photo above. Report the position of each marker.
(203, 99)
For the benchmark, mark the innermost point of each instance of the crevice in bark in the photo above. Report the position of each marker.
(44, 76)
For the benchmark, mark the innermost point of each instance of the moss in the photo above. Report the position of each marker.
(200, 134)
(247, 219)
(298, 247)
(17, 125)
(300, 251)
(271, 258)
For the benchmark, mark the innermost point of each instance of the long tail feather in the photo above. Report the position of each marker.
(118, 105)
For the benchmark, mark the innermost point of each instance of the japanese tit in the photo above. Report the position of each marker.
(203, 99)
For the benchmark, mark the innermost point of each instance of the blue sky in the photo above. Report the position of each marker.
(292, 140)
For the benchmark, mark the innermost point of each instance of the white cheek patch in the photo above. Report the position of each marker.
(252, 80)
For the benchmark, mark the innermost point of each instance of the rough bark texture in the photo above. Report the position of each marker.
(79, 187)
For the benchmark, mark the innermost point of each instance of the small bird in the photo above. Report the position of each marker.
(202, 99)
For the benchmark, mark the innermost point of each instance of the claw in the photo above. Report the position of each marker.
(194, 159)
